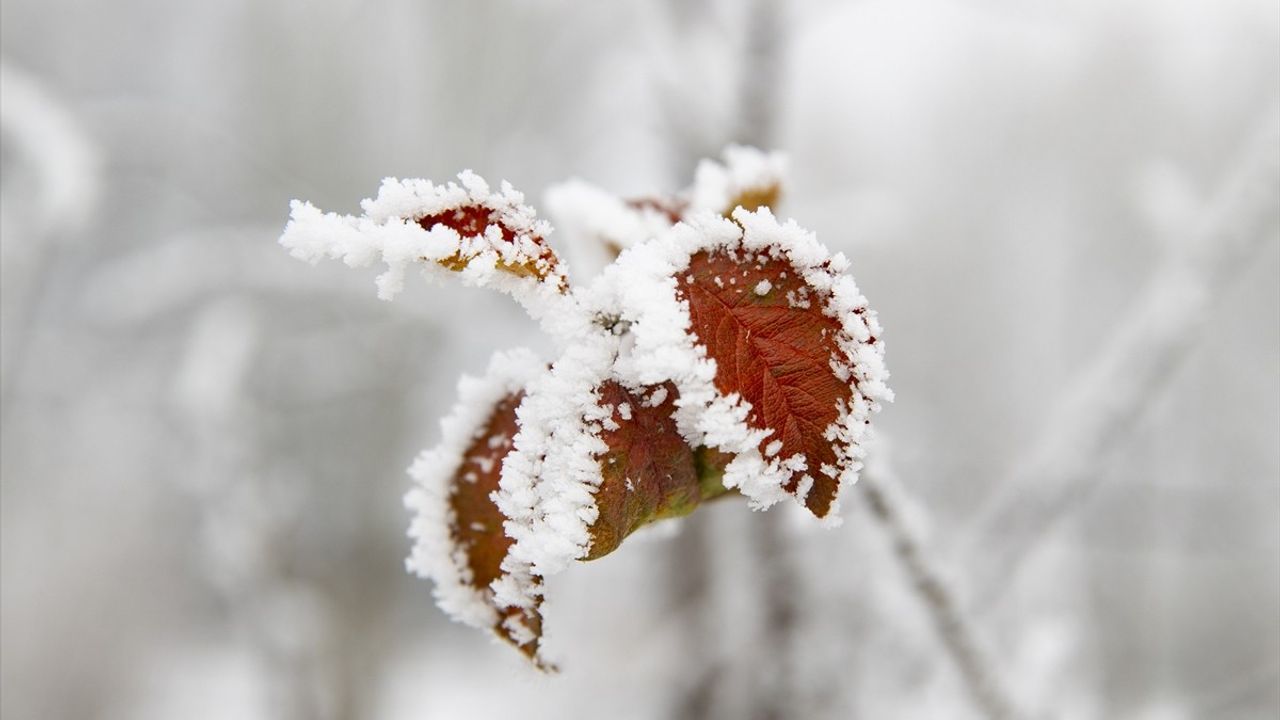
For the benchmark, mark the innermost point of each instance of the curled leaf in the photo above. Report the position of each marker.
(593, 461)
(496, 227)
(489, 238)
(459, 531)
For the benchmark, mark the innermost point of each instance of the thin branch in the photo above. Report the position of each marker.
(64, 163)
(756, 109)
(885, 501)
(782, 591)
(1139, 360)
(760, 74)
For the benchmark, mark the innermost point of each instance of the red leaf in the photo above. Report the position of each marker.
(773, 345)
(649, 471)
(477, 527)
(473, 220)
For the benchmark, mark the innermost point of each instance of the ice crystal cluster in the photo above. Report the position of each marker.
(722, 353)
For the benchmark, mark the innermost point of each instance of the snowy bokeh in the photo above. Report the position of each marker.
(1065, 213)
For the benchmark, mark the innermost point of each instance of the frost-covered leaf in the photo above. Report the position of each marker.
(489, 238)
(648, 471)
(460, 536)
(477, 529)
(772, 347)
(746, 177)
(483, 228)
(593, 461)
(599, 225)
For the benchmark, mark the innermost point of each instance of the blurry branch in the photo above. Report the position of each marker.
(888, 506)
(782, 589)
(1109, 397)
(688, 589)
(190, 268)
(245, 517)
(38, 126)
(756, 58)
(40, 132)
(759, 78)
(220, 282)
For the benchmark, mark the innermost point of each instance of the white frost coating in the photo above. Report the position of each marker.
(643, 292)
(550, 477)
(745, 169)
(434, 554)
(590, 217)
(388, 231)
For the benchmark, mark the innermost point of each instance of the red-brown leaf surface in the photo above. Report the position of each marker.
(774, 353)
(649, 471)
(477, 523)
(472, 220)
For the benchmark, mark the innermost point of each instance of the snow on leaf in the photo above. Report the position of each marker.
(671, 209)
(649, 472)
(477, 528)
(460, 538)
(775, 353)
(600, 225)
(746, 178)
(597, 225)
(593, 461)
(488, 238)
(481, 229)
(549, 477)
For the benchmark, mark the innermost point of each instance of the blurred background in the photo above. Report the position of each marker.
(1065, 213)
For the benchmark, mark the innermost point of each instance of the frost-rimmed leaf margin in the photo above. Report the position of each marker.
(550, 475)
(435, 554)
(595, 222)
(744, 177)
(507, 251)
(644, 282)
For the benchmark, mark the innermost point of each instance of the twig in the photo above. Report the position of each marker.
(885, 501)
(782, 590)
(759, 80)
(45, 133)
(1134, 365)
(757, 95)
(688, 588)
